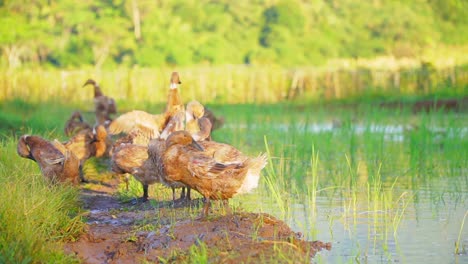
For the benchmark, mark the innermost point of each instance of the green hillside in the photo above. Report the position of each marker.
(148, 33)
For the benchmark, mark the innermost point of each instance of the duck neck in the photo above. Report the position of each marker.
(97, 91)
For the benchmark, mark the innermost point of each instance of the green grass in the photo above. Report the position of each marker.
(35, 218)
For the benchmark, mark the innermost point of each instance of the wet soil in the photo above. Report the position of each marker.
(167, 232)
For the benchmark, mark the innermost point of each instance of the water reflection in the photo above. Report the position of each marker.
(426, 234)
(395, 133)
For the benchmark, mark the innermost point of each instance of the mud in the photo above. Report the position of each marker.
(167, 232)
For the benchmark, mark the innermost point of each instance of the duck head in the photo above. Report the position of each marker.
(23, 148)
(182, 138)
(97, 89)
(194, 110)
(175, 80)
(77, 115)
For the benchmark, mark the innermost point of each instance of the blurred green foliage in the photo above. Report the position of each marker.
(148, 33)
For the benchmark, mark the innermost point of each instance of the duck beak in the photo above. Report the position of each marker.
(196, 145)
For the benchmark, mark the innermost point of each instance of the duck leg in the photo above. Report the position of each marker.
(145, 193)
(185, 195)
(173, 195)
(127, 181)
(182, 193)
(227, 209)
(82, 178)
(188, 198)
(206, 207)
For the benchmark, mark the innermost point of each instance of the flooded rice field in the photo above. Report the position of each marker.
(382, 188)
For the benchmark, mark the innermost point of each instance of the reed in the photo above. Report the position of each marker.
(458, 248)
(275, 183)
(240, 83)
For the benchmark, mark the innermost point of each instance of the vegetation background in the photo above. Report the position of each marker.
(234, 55)
(111, 33)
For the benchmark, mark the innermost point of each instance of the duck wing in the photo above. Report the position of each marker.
(223, 153)
(127, 158)
(54, 154)
(202, 166)
(147, 123)
(176, 123)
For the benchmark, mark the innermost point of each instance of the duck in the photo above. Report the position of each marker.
(104, 106)
(57, 164)
(86, 144)
(154, 125)
(126, 159)
(75, 124)
(220, 178)
(102, 142)
(175, 111)
(135, 136)
(216, 122)
(144, 162)
(174, 100)
(148, 124)
(152, 170)
(175, 123)
(81, 145)
(196, 124)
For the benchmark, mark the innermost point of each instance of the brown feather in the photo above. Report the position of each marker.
(56, 163)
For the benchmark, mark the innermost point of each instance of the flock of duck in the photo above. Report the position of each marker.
(173, 148)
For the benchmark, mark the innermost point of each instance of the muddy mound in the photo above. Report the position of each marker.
(172, 233)
(236, 238)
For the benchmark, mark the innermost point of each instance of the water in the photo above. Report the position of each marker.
(427, 232)
(420, 202)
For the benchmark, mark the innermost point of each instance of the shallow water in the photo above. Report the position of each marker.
(426, 234)
(421, 176)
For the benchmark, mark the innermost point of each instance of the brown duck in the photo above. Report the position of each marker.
(57, 164)
(104, 106)
(218, 178)
(216, 122)
(127, 158)
(144, 162)
(86, 144)
(196, 124)
(154, 126)
(102, 142)
(75, 124)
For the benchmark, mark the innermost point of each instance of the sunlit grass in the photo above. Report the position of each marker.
(35, 218)
(234, 84)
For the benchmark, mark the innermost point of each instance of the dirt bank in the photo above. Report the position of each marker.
(165, 232)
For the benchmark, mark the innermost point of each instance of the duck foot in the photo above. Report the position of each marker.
(83, 180)
(139, 200)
